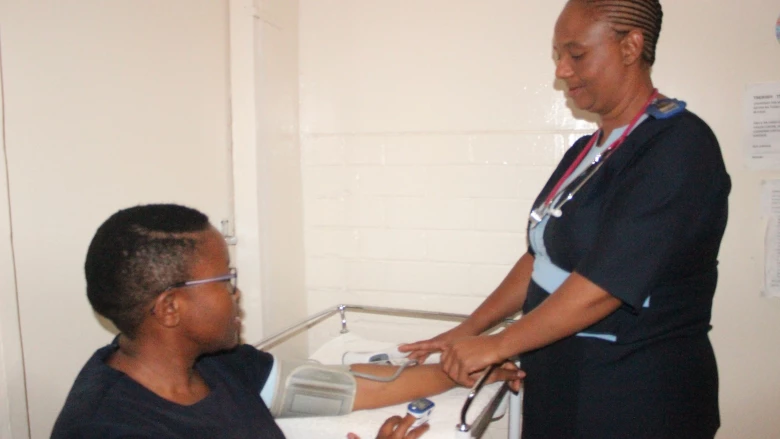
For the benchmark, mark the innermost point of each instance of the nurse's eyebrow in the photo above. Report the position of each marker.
(572, 45)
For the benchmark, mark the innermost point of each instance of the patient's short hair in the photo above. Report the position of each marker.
(135, 255)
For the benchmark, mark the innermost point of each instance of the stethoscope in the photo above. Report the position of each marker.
(553, 203)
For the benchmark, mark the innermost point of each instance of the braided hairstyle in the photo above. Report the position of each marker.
(135, 255)
(626, 15)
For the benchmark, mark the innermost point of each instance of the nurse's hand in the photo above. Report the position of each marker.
(396, 427)
(420, 350)
(461, 359)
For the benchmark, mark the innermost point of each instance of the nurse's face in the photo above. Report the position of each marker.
(588, 58)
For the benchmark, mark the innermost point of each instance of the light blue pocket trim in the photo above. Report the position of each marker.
(605, 337)
(647, 303)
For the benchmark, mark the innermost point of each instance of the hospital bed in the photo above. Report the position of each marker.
(489, 411)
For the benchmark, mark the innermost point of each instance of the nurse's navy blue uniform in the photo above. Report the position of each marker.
(646, 227)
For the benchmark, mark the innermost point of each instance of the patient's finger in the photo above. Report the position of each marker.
(388, 427)
(417, 432)
(402, 429)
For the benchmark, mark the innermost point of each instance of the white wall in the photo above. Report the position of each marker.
(428, 127)
(427, 131)
(107, 105)
(422, 150)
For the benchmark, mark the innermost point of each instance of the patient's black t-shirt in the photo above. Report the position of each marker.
(105, 403)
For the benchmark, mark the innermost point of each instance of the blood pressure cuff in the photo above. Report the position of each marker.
(311, 389)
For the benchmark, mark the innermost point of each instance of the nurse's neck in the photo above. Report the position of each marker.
(604, 134)
(625, 110)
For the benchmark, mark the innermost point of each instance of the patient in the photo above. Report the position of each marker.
(161, 274)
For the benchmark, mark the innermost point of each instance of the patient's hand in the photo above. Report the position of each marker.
(397, 427)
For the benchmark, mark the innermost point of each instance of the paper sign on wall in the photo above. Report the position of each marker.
(770, 207)
(762, 126)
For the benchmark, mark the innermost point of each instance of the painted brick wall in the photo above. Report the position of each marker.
(428, 129)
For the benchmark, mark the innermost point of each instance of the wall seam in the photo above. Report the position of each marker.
(11, 239)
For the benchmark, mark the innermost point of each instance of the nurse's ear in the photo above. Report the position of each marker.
(631, 46)
(167, 309)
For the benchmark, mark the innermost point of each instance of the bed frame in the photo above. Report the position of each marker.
(474, 430)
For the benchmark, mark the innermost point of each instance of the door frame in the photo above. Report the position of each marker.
(246, 197)
(14, 420)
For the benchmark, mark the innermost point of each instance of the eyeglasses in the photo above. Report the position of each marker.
(231, 277)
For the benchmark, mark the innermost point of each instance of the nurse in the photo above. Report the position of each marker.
(617, 284)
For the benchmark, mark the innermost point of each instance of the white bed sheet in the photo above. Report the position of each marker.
(366, 423)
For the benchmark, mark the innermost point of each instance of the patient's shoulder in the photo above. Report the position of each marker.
(95, 384)
(245, 363)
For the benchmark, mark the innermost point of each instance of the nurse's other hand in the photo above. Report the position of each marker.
(461, 359)
(396, 427)
(507, 372)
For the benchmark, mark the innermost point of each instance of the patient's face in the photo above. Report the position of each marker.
(211, 313)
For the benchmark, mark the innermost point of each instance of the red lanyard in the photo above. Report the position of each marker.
(592, 142)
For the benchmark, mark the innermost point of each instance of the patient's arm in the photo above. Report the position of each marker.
(413, 383)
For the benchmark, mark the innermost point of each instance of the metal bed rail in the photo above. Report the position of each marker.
(312, 320)
(474, 430)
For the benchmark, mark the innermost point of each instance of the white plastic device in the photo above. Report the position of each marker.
(420, 409)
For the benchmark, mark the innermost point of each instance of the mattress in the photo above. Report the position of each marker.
(366, 423)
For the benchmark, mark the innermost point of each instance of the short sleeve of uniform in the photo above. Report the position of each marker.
(655, 207)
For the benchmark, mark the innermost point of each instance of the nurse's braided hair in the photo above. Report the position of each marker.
(625, 15)
(135, 255)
